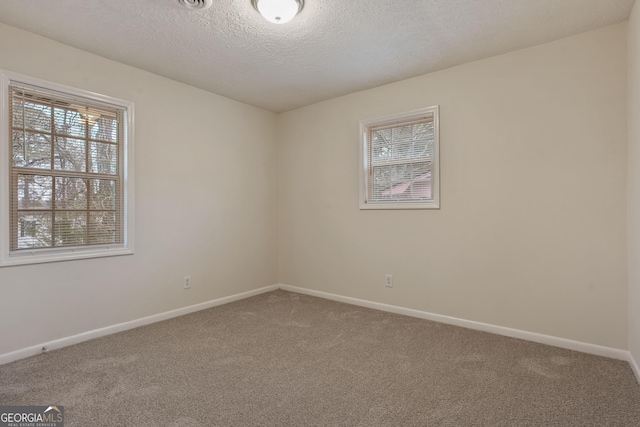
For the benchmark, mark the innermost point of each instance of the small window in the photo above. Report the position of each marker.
(66, 176)
(399, 166)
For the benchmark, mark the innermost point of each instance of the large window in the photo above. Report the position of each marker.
(399, 167)
(66, 176)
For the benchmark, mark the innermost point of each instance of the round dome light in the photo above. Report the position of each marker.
(278, 11)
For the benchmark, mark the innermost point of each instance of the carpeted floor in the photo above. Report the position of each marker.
(284, 359)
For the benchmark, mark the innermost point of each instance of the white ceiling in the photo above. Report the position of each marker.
(334, 47)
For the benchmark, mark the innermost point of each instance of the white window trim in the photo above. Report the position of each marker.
(36, 256)
(364, 166)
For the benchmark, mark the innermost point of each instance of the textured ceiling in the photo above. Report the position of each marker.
(332, 48)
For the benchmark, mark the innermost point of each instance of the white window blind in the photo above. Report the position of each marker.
(66, 187)
(399, 162)
(67, 176)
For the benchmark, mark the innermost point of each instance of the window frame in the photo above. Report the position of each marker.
(391, 119)
(44, 255)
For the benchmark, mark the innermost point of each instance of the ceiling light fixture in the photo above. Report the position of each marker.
(278, 11)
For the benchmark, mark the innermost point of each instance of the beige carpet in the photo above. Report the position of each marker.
(283, 359)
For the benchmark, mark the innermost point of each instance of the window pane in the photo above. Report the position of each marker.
(423, 138)
(34, 230)
(71, 193)
(414, 141)
(378, 189)
(401, 173)
(34, 192)
(381, 181)
(70, 154)
(103, 194)
(103, 158)
(30, 115)
(105, 128)
(380, 146)
(402, 151)
(381, 136)
(402, 133)
(381, 154)
(68, 121)
(402, 182)
(70, 228)
(421, 187)
(423, 148)
(382, 174)
(31, 150)
(103, 227)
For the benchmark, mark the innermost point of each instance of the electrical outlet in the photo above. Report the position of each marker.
(187, 282)
(388, 280)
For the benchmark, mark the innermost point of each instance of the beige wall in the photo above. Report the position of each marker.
(217, 207)
(634, 181)
(531, 234)
(532, 230)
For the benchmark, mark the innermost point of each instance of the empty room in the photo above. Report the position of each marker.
(320, 213)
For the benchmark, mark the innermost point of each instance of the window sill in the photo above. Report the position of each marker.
(40, 257)
(400, 205)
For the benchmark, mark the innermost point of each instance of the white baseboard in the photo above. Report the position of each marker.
(89, 335)
(634, 366)
(598, 350)
(500, 330)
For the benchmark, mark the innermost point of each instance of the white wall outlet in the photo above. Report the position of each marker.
(187, 282)
(388, 280)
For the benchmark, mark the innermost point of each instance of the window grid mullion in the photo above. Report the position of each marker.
(61, 173)
(119, 220)
(53, 178)
(14, 212)
(88, 227)
(87, 181)
(370, 158)
(28, 131)
(53, 211)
